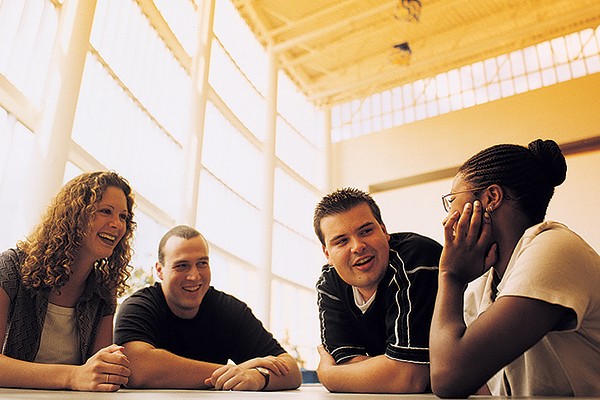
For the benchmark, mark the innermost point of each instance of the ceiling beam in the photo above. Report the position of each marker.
(588, 145)
(316, 33)
(335, 46)
(312, 18)
(257, 26)
(16, 103)
(425, 65)
(331, 48)
(163, 29)
(581, 146)
(414, 180)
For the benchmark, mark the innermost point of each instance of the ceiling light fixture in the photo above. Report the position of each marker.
(409, 10)
(401, 54)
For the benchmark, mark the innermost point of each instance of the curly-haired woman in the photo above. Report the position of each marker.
(58, 290)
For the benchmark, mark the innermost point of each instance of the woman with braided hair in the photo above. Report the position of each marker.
(58, 290)
(518, 306)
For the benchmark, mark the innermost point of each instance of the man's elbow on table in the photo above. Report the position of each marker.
(145, 369)
(141, 378)
(446, 384)
(414, 379)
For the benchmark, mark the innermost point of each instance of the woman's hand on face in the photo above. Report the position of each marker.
(105, 371)
(468, 249)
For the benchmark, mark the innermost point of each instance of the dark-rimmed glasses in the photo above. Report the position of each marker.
(447, 199)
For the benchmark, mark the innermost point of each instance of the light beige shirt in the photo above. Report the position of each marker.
(59, 344)
(550, 263)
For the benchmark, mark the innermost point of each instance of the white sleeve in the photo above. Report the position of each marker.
(556, 266)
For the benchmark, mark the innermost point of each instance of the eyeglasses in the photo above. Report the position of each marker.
(447, 199)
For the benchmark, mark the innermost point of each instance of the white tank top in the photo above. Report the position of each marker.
(59, 343)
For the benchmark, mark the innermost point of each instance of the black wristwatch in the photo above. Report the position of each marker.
(266, 373)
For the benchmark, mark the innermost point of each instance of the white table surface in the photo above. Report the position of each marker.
(306, 391)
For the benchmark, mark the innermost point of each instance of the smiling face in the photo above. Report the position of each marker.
(106, 227)
(185, 274)
(357, 246)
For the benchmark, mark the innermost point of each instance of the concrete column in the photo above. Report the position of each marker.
(329, 167)
(267, 208)
(199, 71)
(53, 139)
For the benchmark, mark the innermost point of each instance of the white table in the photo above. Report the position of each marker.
(306, 391)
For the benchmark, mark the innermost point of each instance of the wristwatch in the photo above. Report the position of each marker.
(266, 373)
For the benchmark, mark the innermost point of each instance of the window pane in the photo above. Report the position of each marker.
(590, 45)
(504, 71)
(182, 19)
(466, 77)
(517, 63)
(294, 203)
(478, 75)
(241, 44)
(109, 124)
(27, 32)
(235, 277)
(431, 90)
(228, 221)
(146, 239)
(545, 55)
(454, 81)
(294, 150)
(236, 91)
(300, 113)
(531, 58)
(295, 257)
(297, 331)
(17, 154)
(226, 152)
(559, 50)
(125, 40)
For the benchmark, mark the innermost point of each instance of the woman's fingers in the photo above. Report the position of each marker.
(474, 230)
(449, 226)
(462, 226)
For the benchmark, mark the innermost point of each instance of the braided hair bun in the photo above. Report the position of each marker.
(551, 159)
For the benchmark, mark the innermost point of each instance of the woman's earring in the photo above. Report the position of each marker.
(489, 209)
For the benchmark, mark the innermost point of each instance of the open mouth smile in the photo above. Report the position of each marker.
(363, 263)
(107, 238)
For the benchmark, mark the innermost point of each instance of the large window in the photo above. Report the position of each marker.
(134, 113)
(131, 103)
(27, 31)
(17, 152)
(544, 64)
(234, 157)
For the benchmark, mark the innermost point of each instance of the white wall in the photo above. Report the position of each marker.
(566, 112)
(576, 202)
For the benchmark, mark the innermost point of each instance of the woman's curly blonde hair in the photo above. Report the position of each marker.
(49, 251)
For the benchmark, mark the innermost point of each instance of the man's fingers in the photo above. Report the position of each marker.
(277, 366)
